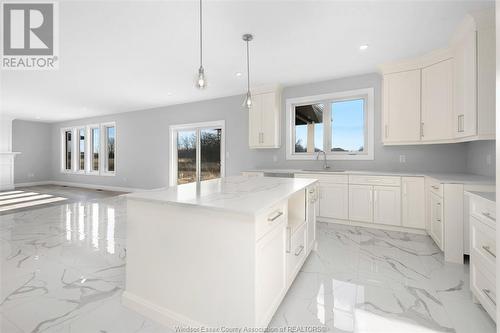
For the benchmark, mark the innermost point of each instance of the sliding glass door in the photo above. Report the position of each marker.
(197, 152)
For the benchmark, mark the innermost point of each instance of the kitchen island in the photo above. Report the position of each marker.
(219, 252)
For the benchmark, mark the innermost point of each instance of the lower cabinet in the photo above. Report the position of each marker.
(387, 205)
(333, 201)
(436, 219)
(360, 203)
(412, 202)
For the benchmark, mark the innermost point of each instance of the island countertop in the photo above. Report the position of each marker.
(240, 194)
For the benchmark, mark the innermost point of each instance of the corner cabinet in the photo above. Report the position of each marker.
(264, 120)
(447, 95)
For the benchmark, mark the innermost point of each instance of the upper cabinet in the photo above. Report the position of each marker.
(264, 119)
(437, 101)
(402, 106)
(447, 95)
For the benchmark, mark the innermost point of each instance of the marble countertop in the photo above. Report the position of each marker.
(491, 196)
(446, 178)
(247, 195)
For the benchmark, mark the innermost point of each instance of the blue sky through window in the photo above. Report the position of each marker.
(348, 125)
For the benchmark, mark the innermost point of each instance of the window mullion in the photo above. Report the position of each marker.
(198, 154)
(327, 117)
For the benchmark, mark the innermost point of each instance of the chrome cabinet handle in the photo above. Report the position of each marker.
(435, 187)
(488, 215)
(289, 239)
(460, 119)
(299, 250)
(272, 219)
(422, 129)
(488, 249)
(488, 293)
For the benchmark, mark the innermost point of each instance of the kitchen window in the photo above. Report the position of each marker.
(197, 152)
(89, 149)
(340, 124)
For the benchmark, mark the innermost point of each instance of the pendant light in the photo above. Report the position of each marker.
(248, 99)
(201, 81)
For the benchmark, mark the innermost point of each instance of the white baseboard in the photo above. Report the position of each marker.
(373, 226)
(90, 186)
(157, 313)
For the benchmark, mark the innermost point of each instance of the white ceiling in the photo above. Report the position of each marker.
(118, 56)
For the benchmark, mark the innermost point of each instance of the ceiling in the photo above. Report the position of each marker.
(118, 56)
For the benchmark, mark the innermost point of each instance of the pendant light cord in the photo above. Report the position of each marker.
(201, 35)
(248, 69)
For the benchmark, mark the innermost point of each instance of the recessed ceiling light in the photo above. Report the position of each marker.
(238, 74)
(363, 47)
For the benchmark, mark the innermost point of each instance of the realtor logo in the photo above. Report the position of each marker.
(29, 36)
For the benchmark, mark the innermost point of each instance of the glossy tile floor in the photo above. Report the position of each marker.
(62, 270)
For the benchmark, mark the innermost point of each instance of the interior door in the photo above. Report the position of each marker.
(334, 200)
(361, 203)
(402, 107)
(437, 101)
(387, 205)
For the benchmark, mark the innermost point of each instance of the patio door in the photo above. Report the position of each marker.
(197, 152)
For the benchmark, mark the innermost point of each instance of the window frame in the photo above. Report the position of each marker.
(75, 152)
(367, 94)
(103, 153)
(173, 129)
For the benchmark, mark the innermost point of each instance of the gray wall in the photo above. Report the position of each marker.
(33, 140)
(143, 147)
(481, 158)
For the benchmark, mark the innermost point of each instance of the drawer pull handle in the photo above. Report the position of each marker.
(435, 187)
(488, 293)
(299, 250)
(488, 215)
(272, 219)
(288, 239)
(488, 249)
(439, 220)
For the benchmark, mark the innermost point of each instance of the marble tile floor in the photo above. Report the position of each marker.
(62, 270)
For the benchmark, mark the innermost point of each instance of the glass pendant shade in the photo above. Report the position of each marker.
(201, 82)
(248, 100)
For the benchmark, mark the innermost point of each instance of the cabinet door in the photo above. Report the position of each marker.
(312, 197)
(436, 215)
(413, 202)
(254, 122)
(361, 203)
(270, 271)
(334, 200)
(437, 101)
(401, 107)
(464, 83)
(270, 121)
(387, 205)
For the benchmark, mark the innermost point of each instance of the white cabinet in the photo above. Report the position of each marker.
(312, 198)
(270, 272)
(264, 120)
(464, 84)
(387, 205)
(401, 107)
(361, 203)
(437, 101)
(334, 200)
(413, 202)
(436, 219)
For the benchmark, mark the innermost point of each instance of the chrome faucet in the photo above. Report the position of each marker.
(325, 162)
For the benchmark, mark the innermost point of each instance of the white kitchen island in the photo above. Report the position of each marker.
(218, 253)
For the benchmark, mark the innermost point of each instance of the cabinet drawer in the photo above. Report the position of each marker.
(436, 219)
(296, 251)
(483, 243)
(483, 286)
(266, 221)
(322, 178)
(375, 180)
(484, 211)
(434, 186)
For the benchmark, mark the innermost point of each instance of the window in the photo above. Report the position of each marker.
(340, 124)
(94, 147)
(110, 146)
(67, 150)
(81, 149)
(197, 152)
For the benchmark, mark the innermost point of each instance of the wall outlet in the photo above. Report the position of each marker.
(402, 158)
(488, 159)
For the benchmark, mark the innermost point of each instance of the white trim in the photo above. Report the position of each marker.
(77, 151)
(89, 170)
(172, 178)
(28, 184)
(367, 93)
(82, 185)
(372, 225)
(103, 167)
